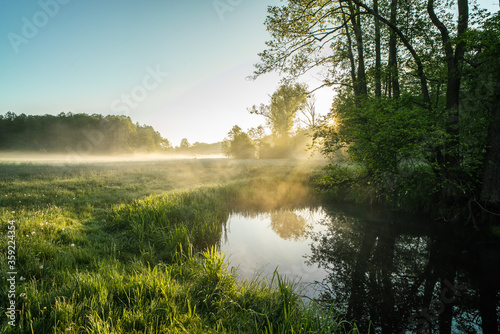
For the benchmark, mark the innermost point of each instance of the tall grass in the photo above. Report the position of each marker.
(99, 253)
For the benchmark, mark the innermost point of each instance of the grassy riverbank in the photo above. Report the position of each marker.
(131, 248)
(414, 190)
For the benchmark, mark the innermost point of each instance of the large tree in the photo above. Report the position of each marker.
(389, 60)
(282, 110)
(238, 144)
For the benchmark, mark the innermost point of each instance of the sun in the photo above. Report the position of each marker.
(331, 122)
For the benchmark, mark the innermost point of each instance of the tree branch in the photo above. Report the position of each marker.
(409, 47)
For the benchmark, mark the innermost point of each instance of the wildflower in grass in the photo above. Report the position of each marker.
(63, 229)
(41, 266)
(22, 295)
(72, 245)
(22, 278)
(33, 232)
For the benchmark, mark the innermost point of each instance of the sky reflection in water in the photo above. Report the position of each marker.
(401, 272)
(260, 243)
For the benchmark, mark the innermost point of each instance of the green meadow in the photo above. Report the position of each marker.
(131, 247)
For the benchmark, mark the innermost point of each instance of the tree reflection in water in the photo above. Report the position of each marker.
(401, 273)
(288, 224)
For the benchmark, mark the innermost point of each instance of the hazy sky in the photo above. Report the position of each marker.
(178, 65)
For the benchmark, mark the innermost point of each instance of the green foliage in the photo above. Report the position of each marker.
(345, 183)
(289, 108)
(397, 143)
(416, 87)
(78, 134)
(238, 144)
(413, 189)
(380, 134)
(478, 85)
(282, 110)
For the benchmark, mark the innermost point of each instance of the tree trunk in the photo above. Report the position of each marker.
(451, 156)
(393, 58)
(488, 289)
(490, 193)
(387, 241)
(350, 55)
(409, 47)
(378, 65)
(358, 33)
(356, 306)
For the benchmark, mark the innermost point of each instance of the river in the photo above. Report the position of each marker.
(393, 273)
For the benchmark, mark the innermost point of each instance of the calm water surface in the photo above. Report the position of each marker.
(402, 273)
(258, 244)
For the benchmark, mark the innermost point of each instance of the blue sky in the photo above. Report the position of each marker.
(178, 65)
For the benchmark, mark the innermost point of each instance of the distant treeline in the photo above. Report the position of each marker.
(197, 148)
(79, 134)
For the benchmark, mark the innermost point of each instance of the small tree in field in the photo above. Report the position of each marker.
(281, 113)
(238, 144)
(184, 144)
